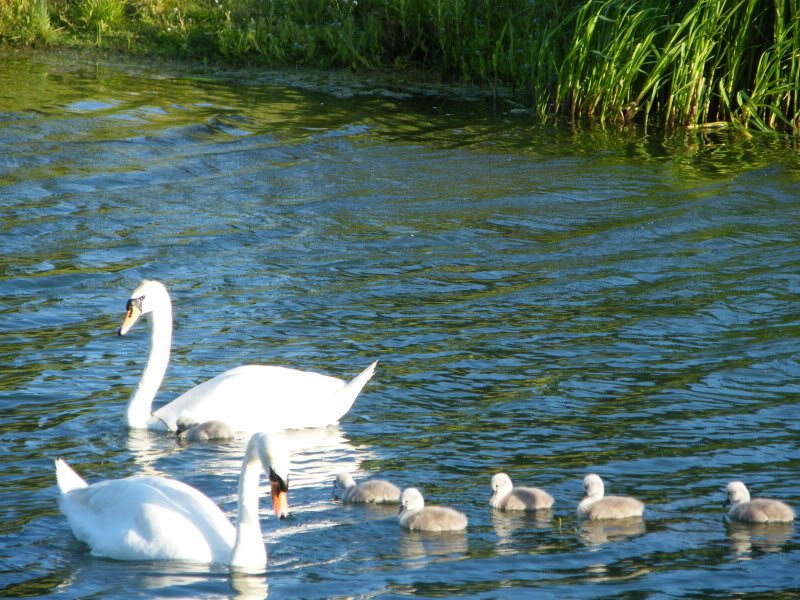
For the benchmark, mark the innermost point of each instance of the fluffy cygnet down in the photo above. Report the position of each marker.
(595, 505)
(415, 516)
(507, 497)
(375, 491)
(203, 432)
(757, 510)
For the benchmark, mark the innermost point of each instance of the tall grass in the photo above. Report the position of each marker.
(699, 62)
(26, 22)
(101, 15)
(678, 63)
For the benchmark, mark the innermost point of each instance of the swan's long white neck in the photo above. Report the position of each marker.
(249, 550)
(139, 412)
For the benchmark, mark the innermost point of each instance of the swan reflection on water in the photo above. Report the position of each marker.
(599, 532)
(240, 585)
(172, 579)
(249, 587)
(745, 538)
(148, 447)
(319, 454)
(316, 454)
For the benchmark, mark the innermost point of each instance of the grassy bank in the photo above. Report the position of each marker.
(682, 63)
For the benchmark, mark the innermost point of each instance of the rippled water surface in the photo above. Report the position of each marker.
(543, 302)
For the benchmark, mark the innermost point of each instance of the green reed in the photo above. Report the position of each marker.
(101, 15)
(26, 22)
(684, 63)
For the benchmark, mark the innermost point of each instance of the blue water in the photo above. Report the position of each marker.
(544, 301)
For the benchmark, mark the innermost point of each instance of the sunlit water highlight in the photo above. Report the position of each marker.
(543, 302)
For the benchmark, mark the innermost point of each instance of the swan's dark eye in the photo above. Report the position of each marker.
(135, 302)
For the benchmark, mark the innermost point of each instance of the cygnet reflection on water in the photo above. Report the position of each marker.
(520, 527)
(599, 573)
(598, 532)
(385, 509)
(415, 544)
(764, 537)
(506, 523)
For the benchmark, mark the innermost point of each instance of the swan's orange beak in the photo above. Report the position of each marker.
(134, 311)
(279, 498)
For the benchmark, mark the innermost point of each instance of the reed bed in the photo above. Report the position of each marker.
(685, 63)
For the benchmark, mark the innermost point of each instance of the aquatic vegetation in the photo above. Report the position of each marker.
(680, 64)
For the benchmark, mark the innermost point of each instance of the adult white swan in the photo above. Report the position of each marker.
(155, 518)
(248, 398)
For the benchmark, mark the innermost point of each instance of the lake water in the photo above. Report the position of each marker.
(543, 301)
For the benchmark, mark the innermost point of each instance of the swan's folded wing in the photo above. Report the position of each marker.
(267, 398)
(148, 518)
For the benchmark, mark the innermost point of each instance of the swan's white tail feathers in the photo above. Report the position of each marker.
(345, 397)
(67, 479)
(359, 381)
